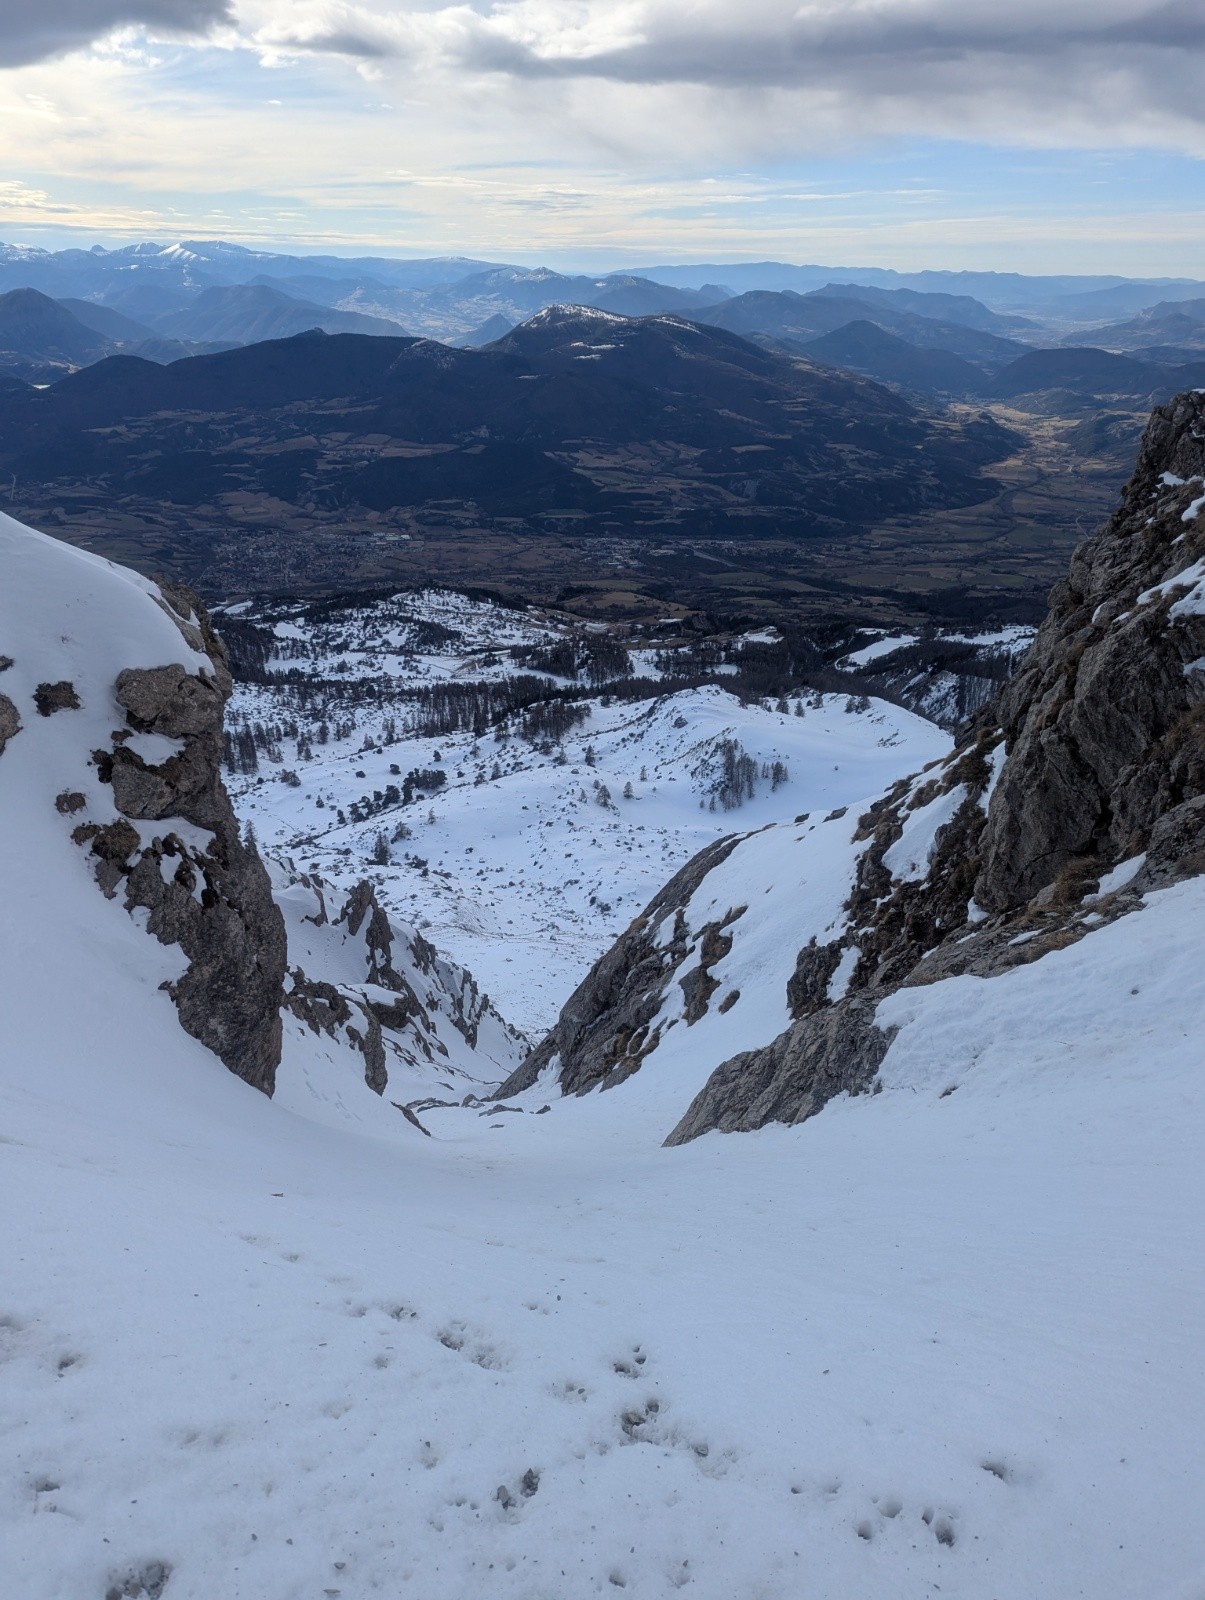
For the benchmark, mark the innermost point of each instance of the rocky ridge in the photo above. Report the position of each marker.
(130, 759)
(383, 991)
(1080, 789)
(210, 894)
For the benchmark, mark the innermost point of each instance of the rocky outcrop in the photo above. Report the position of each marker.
(336, 1012)
(349, 1012)
(834, 1051)
(1105, 722)
(52, 697)
(114, 693)
(380, 992)
(10, 721)
(208, 894)
(362, 910)
(602, 1034)
(1094, 755)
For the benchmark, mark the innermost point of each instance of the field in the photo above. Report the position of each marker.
(994, 560)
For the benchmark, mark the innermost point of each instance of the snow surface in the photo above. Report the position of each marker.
(1124, 872)
(1191, 604)
(880, 647)
(528, 878)
(908, 858)
(920, 1344)
(930, 1342)
(1013, 641)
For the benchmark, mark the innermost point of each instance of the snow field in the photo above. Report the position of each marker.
(940, 1339)
(930, 1339)
(528, 877)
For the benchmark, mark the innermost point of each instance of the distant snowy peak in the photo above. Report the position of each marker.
(563, 316)
(22, 253)
(755, 979)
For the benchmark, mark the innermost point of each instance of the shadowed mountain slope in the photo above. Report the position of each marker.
(560, 418)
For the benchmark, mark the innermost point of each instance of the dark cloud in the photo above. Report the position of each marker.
(32, 30)
(337, 42)
(881, 46)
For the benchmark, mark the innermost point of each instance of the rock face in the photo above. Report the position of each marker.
(10, 721)
(111, 747)
(837, 1050)
(211, 896)
(353, 1012)
(602, 1034)
(1105, 722)
(1093, 756)
(381, 990)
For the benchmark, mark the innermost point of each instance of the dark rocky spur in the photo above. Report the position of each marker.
(213, 900)
(1093, 755)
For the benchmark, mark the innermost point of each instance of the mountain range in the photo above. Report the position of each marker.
(1171, 324)
(43, 339)
(580, 420)
(198, 264)
(161, 307)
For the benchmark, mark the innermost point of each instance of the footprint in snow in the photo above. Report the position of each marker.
(573, 1393)
(630, 1365)
(146, 1583)
(455, 1336)
(942, 1524)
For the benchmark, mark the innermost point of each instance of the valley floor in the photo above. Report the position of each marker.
(928, 1343)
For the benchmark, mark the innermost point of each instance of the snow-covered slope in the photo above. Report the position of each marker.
(928, 1344)
(947, 676)
(363, 984)
(941, 1339)
(535, 854)
(94, 796)
(1061, 807)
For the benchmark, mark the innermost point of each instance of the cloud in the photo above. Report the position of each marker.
(44, 28)
(339, 42)
(1108, 65)
(782, 43)
(837, 129)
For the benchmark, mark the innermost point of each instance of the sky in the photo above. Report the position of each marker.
(1024, 135)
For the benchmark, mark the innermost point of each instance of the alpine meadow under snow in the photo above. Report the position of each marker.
(525, 855)
(942, 1338)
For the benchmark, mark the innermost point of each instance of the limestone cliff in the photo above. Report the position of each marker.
(203, 889)
(1080, 789)
(111, 723)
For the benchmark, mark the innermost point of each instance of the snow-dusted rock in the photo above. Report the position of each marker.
(1105, 724)
(111, 736)
(381, 989)
(120, 687)
(982, 863)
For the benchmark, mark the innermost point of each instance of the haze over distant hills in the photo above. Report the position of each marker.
(166, 302)
(449, 297)
(41, 339)
(500, 438)
(1179, 324)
